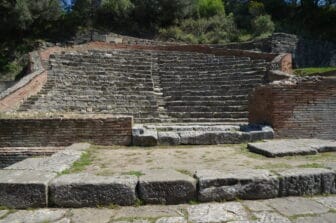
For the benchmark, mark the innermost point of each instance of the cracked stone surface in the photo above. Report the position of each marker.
(88, 215)
(213, 213)
(323, 218)
(150, 211)
(37, 216)
(327, 201)
(297, 206)
(291, 147)
(257, 206)
(270, 217)
(281, 210)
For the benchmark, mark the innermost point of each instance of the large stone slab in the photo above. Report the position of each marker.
(217, 213)
(166, 187)
(90, 215)
(291, 147)
(292, 206)
(306, 181)
(35, 216)
(24, 188)
(270, 217)
(323, 218)
(212, 138)
(144, 137)
(169, 138)
(86, 190)
(215, 185)
(327, 201)
(58, 162)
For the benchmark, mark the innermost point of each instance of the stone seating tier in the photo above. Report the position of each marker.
(152, 86)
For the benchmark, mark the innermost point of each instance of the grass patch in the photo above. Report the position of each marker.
(274, 166)
(134, 173)
(313, 70)
(80, 165)
(312, 165)
(185, 172)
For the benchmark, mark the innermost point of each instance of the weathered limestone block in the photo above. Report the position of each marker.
(24, 188)
(211, 138)
(217, 213)
(243, 184)
(86, 190)
(306, 181)
(32, 216)
(166, 187)
(144, 137)
(290, 147)
(168, 138)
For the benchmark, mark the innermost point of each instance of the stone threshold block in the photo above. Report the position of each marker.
(247, 184)
(24, 188)
(86, 190)
(306, 181)
(166, 187)
(292, 147)
(58, 162)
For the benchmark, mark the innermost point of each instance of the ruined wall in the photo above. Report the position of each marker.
(297, 108)
(64, 131)
(306, 52)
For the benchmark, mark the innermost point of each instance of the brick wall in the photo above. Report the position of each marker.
(64, 131)
(297, 108)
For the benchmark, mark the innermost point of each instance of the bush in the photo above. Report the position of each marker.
(119, 8)
(216, 29)
(256, 8)
(263, 25)
(209, 8)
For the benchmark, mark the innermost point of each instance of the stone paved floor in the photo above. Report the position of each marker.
(280, 210)
(115, 160)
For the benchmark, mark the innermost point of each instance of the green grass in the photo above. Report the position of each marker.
(80, 165)
(134, 173)
(313, 70)
(312, 165)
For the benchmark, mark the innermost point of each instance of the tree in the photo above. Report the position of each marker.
(263, 25)
(208, 8)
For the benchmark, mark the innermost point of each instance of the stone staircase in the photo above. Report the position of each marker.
(207, 88)
(151, 86)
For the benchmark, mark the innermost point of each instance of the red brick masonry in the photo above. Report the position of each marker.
(64, 131)
(297, 108)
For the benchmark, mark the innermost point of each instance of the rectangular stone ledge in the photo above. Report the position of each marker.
(242, 184)
(307, 181)
(86, 190)
(166, 187)
(24, 188)
(58, 162)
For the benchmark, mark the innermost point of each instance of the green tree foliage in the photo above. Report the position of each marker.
(256, 8)
(209, 8)
(161, 12)
(263, 25)
(216, 29)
